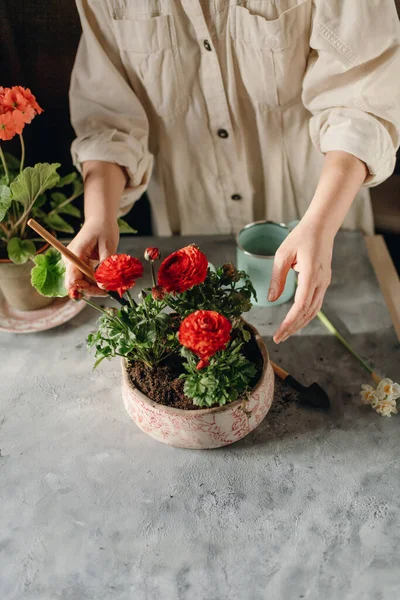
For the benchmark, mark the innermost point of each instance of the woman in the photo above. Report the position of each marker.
(231, 112)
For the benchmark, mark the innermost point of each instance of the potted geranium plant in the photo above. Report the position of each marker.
(194, 373)
(24, 193)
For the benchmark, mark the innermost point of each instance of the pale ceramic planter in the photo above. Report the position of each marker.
(204, 428)
(16, 287)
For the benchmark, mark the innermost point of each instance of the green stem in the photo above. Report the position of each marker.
(341, 339)
(4, 228)
(97, 307)
(21, 168)
(66, 201)
(132, 302)
(153, 275)
(4, 163)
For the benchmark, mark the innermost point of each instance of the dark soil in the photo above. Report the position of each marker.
(162, 384)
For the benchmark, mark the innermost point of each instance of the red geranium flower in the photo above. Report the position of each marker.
(183, 269)
(7, 126)
(119, 272)
(21, 104)
(152, 254)
(205, 332)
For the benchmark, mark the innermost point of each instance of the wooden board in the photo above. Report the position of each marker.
(386, 275)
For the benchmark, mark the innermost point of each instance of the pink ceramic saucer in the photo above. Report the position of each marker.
(31, 321)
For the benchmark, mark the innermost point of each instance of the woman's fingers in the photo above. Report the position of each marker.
(282, 263)
(300, 310)
(84, 249)
(314, 308)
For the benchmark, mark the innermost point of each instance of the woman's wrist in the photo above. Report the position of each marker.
(104, 184)
(341, 178)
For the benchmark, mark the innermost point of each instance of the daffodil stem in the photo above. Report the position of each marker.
(324, 319)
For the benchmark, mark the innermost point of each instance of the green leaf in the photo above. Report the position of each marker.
(41, 200)
(246, 335)
(124, 227)
(57, 198)
(48, 274)
(67, 179)
(59, 224)
(68, 209)
(5, 200)
(33, 181)
(77, 188)
(19, 251)
(98, 361)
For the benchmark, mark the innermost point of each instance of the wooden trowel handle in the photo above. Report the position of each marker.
(281, 373)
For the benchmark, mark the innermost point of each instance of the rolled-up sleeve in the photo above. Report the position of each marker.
(109, 121)
(352, 82)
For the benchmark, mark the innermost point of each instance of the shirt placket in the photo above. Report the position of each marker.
(222, 134)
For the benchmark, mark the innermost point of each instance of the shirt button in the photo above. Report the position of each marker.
(207, 45)
(223, 133)
(236, 197)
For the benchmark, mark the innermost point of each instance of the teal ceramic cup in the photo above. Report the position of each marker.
(257, 244)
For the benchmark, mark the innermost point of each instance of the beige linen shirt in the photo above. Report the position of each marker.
(223, 109)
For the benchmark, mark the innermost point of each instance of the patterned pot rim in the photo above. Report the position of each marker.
(200, 411)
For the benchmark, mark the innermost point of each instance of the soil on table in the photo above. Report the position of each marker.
(162, 384)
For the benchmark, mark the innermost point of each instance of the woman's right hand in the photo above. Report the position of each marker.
(94, 242)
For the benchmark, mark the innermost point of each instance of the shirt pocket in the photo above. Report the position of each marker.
(271, 55)
(150, 54)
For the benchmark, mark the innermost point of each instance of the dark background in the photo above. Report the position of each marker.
(38, 41)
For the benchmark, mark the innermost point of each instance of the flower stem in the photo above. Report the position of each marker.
(66, 201)
(4, 163)
(21, 168)
(97, 307)
(341, 339)
(4, 228)
(132, 302)
(153, 275)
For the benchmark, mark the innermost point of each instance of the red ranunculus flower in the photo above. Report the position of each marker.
(152, 254)
(183, 269)
(205, 332)
(119, 272)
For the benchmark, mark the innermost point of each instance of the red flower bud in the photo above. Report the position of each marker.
(202, 364)
(75, 292)
(158, 292)
(152, 254)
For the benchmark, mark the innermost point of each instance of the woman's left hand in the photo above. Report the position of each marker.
(308, 250)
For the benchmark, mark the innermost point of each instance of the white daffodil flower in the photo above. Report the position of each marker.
(388, 389)
(368, 394)
(386, 407)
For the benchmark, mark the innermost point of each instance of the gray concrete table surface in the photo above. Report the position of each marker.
(305, 507)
